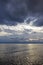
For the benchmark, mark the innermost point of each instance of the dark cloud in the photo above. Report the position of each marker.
(0, 30)
(27, 31)
(36, 6)
(10, 12)
(39, 22)
(15, 11)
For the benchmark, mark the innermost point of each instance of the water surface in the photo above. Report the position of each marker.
(21, 54)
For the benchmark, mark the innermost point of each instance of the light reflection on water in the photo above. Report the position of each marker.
(23, 53)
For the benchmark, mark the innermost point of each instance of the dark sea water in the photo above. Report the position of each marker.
(21, 54)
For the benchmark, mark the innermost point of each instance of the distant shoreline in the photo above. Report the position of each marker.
(21, 42)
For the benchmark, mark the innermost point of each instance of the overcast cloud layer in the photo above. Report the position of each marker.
(13, 12)
(21, 20)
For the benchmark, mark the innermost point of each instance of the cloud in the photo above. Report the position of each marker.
(13, 12)
(21, 20)
(39, 22)
(4, 33)
(20, 33)
(20, 29)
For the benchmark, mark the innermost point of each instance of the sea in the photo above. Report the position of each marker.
(21, 54)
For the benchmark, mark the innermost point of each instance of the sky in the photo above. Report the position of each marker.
(21, 20)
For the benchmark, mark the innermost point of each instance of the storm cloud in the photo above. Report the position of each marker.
(13, 12)
(39, 22)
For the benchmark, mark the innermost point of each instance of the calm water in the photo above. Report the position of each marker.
(21, 54)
